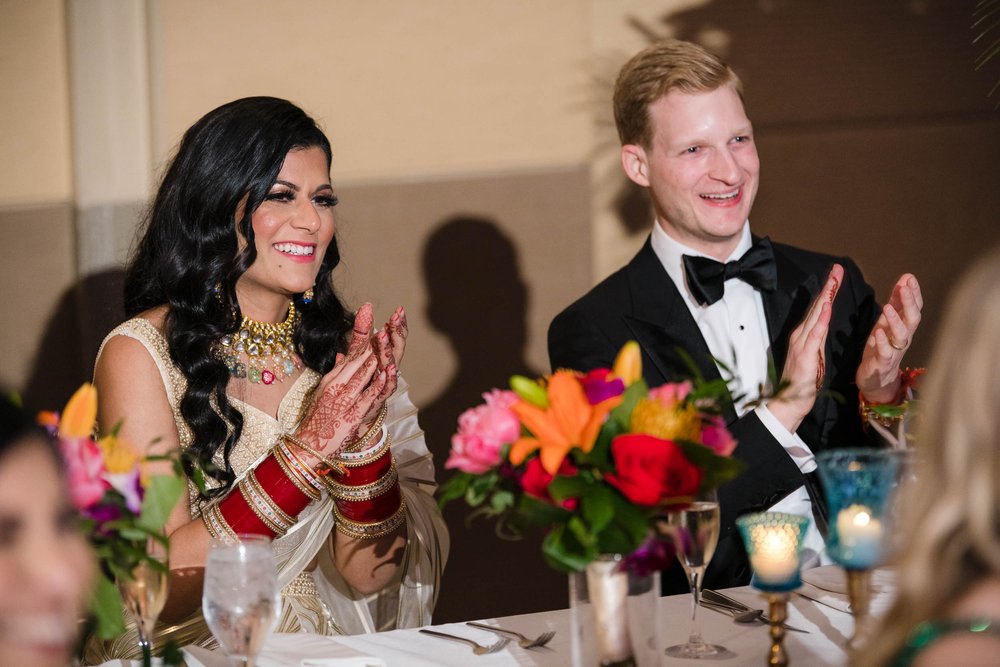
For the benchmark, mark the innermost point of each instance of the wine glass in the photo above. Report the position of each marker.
(241, 597)
(145, 594)
(695, 529)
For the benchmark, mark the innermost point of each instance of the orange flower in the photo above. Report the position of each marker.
(80, 413)
(569, 422)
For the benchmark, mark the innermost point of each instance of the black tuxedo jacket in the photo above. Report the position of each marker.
(640, 302)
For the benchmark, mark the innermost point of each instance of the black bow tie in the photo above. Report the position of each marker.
(706, 277)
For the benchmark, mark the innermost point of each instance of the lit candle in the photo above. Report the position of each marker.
(860, 537)
(775, 559)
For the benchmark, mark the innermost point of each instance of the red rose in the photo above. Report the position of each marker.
(535, 481)
(649, 470)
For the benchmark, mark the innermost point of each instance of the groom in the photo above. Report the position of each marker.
(704, 284)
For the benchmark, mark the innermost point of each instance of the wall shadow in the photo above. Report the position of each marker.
(65, 356)
(478, 299)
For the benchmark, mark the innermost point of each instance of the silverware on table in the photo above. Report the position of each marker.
(722, 600)
(825, 604)
(522, 641)
(477, 648)
(749, 616)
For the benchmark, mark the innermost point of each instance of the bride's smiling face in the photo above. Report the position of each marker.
(293, 227)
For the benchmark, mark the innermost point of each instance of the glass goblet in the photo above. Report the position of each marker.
(145, 593)
(241, 598)
(695, 531)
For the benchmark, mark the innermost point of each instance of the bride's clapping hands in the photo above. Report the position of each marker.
(354, 388)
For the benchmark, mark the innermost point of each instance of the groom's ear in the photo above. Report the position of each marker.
(635, 164)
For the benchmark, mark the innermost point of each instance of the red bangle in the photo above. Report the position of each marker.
(243, 518)
(367, 473)
(370, 511)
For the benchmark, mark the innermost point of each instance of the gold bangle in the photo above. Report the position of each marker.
(364, 457)
(365, 491)
(294, 473)
(266, 502)
(370, 531)
(261, 508)
(217, 525)
(306, 447)
(376, 426)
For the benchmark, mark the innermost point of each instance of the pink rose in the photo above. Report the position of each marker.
(717, 437)
(482, 433)
(84, 471)
(671, 393)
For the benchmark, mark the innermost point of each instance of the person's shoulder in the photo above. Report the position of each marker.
(134, 341)
(972, 647)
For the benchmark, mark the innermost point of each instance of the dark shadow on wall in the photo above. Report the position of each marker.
(478, 299)
(64, 360)
(877, 137)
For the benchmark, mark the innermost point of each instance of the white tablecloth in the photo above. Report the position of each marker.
(828, 631)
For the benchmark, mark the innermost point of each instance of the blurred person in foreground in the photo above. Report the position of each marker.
(240, 352)
(46, 566)
(735, 302)
(947, 609)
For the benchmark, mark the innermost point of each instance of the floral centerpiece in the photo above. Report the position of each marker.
(598, 460)
(594, 458)
(123, 510)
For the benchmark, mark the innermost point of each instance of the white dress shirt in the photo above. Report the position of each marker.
(735, 329)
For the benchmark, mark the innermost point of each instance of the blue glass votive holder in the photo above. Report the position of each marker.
(858, 484)
(773, 542)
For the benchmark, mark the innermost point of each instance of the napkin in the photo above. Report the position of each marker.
(306, 650)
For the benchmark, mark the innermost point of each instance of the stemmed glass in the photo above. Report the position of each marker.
(241, 597)
(145, 593)
(695, 530)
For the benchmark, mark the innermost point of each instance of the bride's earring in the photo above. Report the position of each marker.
(307, 296)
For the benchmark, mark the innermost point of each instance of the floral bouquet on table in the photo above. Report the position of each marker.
(594, 458)
(123, 510)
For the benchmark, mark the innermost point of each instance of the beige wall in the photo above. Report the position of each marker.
(37, 260)
(469, 130)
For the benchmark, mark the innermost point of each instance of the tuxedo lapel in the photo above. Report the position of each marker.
(785, 307)
(662, 324)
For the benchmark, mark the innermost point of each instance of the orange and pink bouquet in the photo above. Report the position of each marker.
(594, 458)
(121, 507)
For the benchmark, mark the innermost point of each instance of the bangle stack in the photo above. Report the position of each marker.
(267, 501)
(367, 502)
(887, 414)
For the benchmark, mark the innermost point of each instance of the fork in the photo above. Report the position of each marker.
(522, 641)
(477, 648)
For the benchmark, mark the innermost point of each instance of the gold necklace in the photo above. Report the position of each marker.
(261, 351)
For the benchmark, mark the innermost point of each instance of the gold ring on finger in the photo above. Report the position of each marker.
(893, 345)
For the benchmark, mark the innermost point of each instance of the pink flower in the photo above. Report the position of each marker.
(717, 437)
(535, 481)
(84, 471)
(599, 385)
(482, 433)
(671, 393)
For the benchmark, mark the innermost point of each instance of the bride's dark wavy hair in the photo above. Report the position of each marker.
(188, 259)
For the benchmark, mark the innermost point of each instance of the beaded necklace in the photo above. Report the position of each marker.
(261, 351)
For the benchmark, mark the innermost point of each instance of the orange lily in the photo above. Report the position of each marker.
(569, 422)
(80, 413)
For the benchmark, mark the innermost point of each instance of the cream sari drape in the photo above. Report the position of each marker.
(319, 601)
